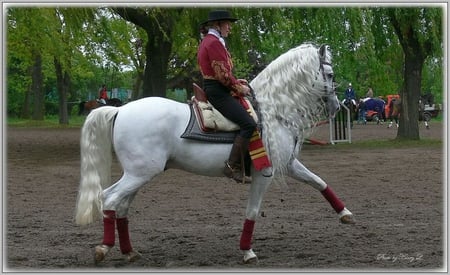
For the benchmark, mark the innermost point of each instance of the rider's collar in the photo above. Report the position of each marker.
(217, 34)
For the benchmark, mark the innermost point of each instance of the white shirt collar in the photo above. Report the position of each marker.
(217, 34)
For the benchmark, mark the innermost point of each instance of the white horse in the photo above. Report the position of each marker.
(292, 93)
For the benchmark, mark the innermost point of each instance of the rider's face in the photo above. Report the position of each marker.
(225, 28)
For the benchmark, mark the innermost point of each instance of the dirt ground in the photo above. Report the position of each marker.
(186, 222)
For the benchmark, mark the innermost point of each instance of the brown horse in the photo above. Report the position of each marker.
(395, 107)
(85, 107)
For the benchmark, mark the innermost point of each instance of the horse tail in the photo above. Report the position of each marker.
(96, 159)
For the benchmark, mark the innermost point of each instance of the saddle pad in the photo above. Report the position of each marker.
(194, 132)
(210, 119)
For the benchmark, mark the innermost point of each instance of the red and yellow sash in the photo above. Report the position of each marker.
(256, 148)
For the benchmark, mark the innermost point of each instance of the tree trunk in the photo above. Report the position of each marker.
(26, 109)
(157, 51)
(410, 95)
(415, 52)
(37, 87)
(137, 87)
(158, 27)
(63, 85)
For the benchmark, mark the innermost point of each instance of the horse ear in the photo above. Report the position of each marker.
(323, 52)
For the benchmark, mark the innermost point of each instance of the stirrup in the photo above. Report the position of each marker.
(236, 173)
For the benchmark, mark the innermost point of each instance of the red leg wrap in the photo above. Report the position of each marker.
(247, 234)
(109, 221)
(331, 197)
(124, 237)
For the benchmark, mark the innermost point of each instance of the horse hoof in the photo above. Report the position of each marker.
(348, 219)
(100, 252)
(249, 257)
(132, 256)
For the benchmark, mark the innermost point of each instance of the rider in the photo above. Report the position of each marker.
(221, 87)
(350, 94)
(102, 94)
(369, 93)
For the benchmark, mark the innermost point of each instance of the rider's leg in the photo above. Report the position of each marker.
(234, 111)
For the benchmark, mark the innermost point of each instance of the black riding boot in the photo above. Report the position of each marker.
(233, 167)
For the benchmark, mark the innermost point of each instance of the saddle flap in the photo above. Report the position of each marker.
(199, 94)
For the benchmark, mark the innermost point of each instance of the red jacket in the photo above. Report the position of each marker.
(103, 93)
(215, 63)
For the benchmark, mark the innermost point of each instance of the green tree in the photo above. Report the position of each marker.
(26, 44)
(158, 24)
(44, 36)
(419, 31)
(71, 32)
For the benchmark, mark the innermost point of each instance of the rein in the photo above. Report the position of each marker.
(255, 105)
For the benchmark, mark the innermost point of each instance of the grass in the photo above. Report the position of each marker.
(378, 144)
(393, 143)
(48, 122)
(77, 122)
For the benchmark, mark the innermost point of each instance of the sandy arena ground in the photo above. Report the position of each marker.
(186, 222)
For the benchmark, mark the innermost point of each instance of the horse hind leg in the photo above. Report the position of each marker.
(110, 221)
(117, 200)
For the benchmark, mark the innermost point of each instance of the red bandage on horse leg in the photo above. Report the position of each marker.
(109, 222)
(124, 237)
(247, 234)
(331, 197)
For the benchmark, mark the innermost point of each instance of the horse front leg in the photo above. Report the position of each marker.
(257, 190)
(299, 172)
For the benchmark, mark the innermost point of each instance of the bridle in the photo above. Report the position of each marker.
(321, 69)
(327, 93)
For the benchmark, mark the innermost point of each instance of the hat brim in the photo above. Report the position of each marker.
(220, 19)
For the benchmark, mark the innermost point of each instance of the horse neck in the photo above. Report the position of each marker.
(287, 88)
(287, 95)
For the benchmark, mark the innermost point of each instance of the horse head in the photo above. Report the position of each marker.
(329, 89)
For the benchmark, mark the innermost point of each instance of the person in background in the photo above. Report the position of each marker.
(350, 94)
(369, 93)
(103, 94)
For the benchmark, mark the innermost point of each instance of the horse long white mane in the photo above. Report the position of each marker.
(289, 92)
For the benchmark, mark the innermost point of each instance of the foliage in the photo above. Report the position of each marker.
(97, 46)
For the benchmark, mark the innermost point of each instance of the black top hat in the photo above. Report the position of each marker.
(219, 15)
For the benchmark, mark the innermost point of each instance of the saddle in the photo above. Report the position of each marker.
(211, 120)
(208, 124)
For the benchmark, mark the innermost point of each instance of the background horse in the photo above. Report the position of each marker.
(292, 92)
(375, 105)
(352, 106)
(395, 107)
(85, 107)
